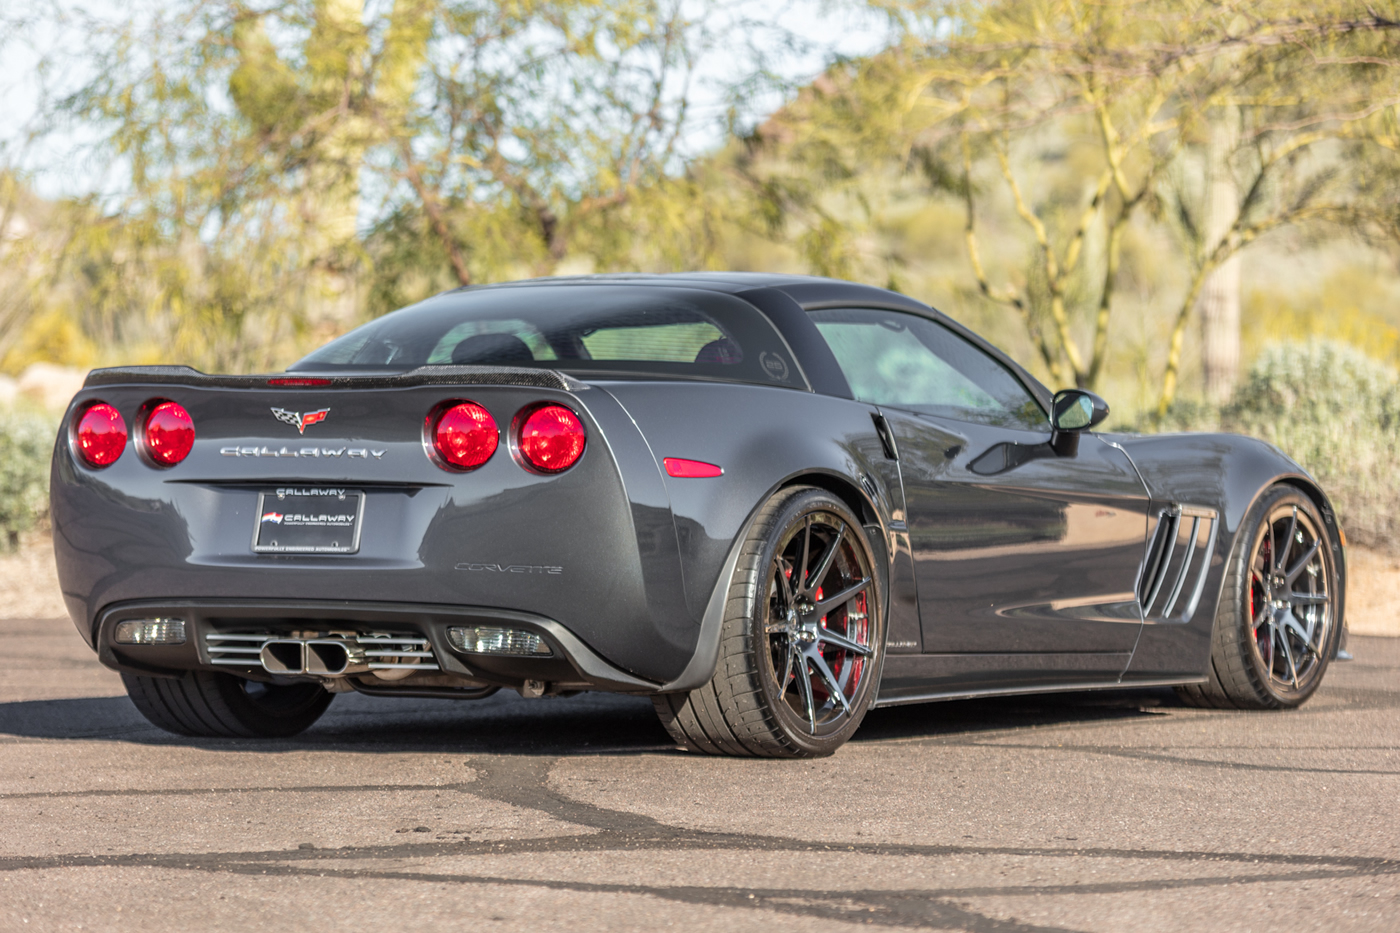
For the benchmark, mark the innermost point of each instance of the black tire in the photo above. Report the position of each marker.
(211, 704)
(1260, 657)
(743, 710)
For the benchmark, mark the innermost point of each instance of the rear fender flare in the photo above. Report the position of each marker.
(702, 663)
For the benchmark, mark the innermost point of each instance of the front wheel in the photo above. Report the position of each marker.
(213, 704)
(802, 640)
(1277, 627)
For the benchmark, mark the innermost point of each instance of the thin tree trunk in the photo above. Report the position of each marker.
(1219, 302)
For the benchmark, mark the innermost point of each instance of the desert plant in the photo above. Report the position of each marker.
(26, 444)
(1337, 412)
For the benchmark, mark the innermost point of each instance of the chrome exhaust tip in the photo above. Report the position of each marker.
(322, 657)
(283, 656)
(333, 658)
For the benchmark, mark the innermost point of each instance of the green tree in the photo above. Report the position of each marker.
(277, 168)
(976, 97)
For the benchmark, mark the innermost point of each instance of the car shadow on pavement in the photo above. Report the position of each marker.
(588, 724)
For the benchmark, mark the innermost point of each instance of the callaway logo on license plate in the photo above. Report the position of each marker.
(308, 520)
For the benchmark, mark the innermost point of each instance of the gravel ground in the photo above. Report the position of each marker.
(1087, 812)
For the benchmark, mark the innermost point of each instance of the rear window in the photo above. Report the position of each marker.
(579, 328)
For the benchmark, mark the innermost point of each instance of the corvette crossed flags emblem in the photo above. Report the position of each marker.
(300, 421)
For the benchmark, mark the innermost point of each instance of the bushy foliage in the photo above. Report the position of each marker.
(26, 444)
(1337, 412)
(1334, 410)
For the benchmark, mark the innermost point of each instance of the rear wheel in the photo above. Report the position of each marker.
(218, 705)
(1277, 628)
(802, 641)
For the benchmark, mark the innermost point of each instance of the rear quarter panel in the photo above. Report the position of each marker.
(763, 438)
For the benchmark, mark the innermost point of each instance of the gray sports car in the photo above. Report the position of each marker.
(767, 502)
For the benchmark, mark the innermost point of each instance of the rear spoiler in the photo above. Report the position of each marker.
(421, 376)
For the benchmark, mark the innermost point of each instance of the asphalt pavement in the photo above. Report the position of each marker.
(1112, 811)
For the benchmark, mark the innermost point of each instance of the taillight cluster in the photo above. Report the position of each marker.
(164, 433)
(545, 438)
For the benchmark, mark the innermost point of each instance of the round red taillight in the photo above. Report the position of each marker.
(168, 433)
(100, 435)
(464, 435)
(550, 438)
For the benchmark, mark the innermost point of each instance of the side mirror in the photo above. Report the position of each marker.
(1073, 411)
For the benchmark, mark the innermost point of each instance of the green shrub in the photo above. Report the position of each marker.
(1337, 412)
(26, 444)
(1334, 410)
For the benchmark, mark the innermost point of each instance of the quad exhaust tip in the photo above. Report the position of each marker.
(327, 657)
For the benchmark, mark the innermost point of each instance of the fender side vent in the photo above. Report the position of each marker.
(1174, 573)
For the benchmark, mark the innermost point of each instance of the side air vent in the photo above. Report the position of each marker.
(1174, 573)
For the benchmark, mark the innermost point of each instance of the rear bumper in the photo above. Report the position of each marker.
(571, 666)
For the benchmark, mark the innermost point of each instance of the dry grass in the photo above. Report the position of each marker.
(29, 587)
(29, 581)
(1373, 592)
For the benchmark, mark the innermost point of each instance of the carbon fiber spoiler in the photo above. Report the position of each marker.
(423, 375)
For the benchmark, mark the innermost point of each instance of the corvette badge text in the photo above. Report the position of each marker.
(511, 568)
(352, 453)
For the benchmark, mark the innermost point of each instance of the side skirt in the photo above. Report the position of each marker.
(1017, 691)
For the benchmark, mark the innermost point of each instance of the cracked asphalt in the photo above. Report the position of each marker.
(1086, 812)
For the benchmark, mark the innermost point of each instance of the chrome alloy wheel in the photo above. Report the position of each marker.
(1291, 607)
(818, 625)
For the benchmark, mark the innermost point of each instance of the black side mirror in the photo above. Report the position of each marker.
(1073, 411)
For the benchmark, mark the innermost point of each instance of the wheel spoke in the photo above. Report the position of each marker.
(787, 670)
(1301, 564)
(1309, 599)
(841, 597)
(785, 582)
(832, 687)
(1290, 623)
(1288, 655)
(804, 684)
(842, 642)
(814, 580)
(1281, 553)
(806, 555)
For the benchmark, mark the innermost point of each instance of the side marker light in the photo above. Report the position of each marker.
(691, 469)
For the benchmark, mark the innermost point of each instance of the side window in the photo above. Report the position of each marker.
(906, 361)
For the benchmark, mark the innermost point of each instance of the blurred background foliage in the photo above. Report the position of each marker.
(1145, 197)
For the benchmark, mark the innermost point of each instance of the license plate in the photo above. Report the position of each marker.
(309, 520)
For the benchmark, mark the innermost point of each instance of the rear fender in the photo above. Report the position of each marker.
(764, 440)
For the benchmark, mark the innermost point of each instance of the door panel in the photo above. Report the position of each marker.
(1028, 552)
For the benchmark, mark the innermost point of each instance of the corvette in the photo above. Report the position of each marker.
(769, 503)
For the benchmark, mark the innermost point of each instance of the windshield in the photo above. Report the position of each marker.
(616, 329)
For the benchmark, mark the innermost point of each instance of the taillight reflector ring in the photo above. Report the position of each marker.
(460, 435)
(548, 438)
(167, 432)
(98, 434)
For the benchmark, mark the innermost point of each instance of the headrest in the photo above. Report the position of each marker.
(723, 350)
(492, 348)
